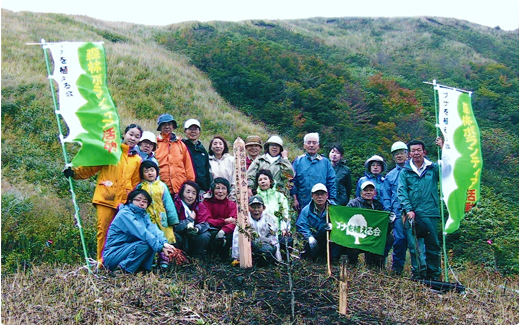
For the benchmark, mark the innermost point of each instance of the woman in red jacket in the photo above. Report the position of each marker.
(223, 218)
(192, 233)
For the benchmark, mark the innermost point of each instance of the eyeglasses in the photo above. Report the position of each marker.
(145, 201)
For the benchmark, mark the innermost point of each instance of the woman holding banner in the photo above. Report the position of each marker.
(114, 182)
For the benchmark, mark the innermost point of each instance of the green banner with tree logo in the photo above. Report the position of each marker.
(359, 228)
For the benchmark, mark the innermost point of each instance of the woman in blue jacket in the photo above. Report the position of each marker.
(375, 166)
(133, 239)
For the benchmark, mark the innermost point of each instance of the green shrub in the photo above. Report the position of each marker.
(37, 230)
(488, 235)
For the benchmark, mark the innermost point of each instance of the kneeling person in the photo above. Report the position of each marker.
(313, 225)
(133, 239)
(191, 234)
(222, 219)
(264, 245)
(367, 201)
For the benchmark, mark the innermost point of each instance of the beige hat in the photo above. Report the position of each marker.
(191, 122)
(273, 140)
(253, 140)
(375, 158)
(147, 135)
(319, 187)
(366, 183)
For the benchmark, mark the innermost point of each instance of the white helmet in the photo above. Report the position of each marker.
(273, 140)
(399, 145)
(147, 135)
(374, 158)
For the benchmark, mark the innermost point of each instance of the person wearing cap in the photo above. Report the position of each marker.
(343, 175)
(263, 227)
(399, 246)
(418, 194)
(253, 148)
(367, 200)
(147, 146)
(199, 155)
(174, 159)
(310, 169)
(375, 166)
(273, 160)
(222, 219)
(312, 225)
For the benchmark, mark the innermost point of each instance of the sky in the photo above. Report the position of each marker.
(503, 13)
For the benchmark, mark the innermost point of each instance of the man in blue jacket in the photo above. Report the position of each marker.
(313, 226)
(399, 152)
(418, 195)
(310, 169)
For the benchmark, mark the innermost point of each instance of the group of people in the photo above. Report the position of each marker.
(167, 193)
(409, 192)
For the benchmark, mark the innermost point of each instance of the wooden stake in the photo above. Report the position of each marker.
(244, 243)
(343, 286)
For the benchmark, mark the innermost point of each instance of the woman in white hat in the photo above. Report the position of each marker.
(146, 147)
(275, 160)
(375, 166)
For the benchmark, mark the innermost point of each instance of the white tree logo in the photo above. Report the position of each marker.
(356, 227)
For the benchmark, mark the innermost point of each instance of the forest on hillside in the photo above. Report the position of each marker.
(356, 81)
(305, 84)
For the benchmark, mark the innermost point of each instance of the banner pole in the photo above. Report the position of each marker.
(329, 271)
(65, 157)
(439, 154)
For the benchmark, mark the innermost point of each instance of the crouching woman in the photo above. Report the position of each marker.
(133, 239)
(191, 233)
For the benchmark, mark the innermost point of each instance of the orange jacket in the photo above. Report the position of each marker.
(175, 164)
(114, 182)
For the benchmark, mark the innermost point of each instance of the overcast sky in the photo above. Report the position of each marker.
(503, 13)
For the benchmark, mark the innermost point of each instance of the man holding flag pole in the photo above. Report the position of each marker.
(313, 225)
(418, 194)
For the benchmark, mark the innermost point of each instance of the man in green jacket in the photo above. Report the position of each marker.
(418, 194)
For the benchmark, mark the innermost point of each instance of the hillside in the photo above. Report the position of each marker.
(356, 81)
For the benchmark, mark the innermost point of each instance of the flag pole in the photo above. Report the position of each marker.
(439, 154)
(65, 157)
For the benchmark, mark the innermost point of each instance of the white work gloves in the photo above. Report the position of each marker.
(312, 242)
(221, 237)
(328, 226)
(191, 229)
(392, 217)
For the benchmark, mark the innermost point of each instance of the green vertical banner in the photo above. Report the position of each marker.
(359, 228)
(461, 154)
(85, 103)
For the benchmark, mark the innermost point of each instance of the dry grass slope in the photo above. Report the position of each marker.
(144, 80)
(221, 294)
